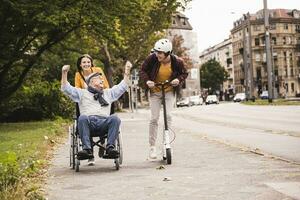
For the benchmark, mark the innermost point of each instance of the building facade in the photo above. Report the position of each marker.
(181, 27)
(249, 57)
(222, 53)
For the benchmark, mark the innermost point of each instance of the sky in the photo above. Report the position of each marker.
(212, 20)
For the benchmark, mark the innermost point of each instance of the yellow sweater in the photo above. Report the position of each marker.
(80, 83)
(164, 74)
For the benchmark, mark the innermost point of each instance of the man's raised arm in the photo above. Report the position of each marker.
(64, 74)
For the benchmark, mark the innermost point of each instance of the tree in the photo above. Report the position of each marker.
(35, 41)
(181, 51)
(28, 30)
(212, 75)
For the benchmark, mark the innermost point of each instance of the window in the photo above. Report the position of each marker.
(257, 28)
(276, 71)
(257, 57)
(273, 40)
(275, 57)
(292, 71)
(258, 73)
(292, 87)
(285, 26)
(288, 40)
(284, 40)
(229, 61)
(297, 28)
(256, 41)
(272, 26)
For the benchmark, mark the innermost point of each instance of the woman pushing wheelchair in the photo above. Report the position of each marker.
(94, 105)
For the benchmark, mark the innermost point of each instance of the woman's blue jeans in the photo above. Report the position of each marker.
(94, 125)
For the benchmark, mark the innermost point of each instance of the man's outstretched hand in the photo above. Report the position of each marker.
(64, 74)
(65, 68)
(128, 67)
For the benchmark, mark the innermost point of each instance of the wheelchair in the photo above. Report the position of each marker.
(76, 144)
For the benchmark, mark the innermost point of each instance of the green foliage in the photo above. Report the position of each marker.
(10, 172)
(23, 150)
(37, 100)
(212, 75)
(35, 42)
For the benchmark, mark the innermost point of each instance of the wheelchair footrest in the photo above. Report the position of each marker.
(112, 156)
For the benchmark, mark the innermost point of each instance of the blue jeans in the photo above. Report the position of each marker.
(95, 125)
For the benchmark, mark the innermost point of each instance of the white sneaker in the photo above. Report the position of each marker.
(91, 162)
(152, 152)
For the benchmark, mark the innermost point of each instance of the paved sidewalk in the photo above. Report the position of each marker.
(201, 169)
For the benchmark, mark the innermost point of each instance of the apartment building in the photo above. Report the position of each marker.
(222, 53)
(249, 57)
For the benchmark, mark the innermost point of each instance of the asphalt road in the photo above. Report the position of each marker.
(273, 130)
(203, 167)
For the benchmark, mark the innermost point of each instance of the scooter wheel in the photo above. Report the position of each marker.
(169, 156)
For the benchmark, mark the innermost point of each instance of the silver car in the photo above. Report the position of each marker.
(196, 100)
(211, 99)
(239, 97)
(185, 101)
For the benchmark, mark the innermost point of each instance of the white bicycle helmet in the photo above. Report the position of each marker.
(163, 45)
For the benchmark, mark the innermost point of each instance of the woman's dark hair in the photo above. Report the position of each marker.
(79, 61)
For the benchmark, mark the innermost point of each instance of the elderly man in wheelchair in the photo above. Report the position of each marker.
(94, 106)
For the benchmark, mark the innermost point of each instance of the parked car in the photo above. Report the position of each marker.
(210, 99)
(239, 97)
(185, 101)
(264, 95)
(196, 100)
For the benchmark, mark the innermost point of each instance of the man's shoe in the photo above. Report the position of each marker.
(91, 162)
(111, 153)
(152, 152)
(85, 154)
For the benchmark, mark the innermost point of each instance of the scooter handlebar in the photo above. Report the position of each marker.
(163, 83)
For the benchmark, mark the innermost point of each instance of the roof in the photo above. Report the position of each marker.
(180, 21)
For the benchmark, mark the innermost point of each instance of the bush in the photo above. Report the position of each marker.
(36, 101)
(13, 173)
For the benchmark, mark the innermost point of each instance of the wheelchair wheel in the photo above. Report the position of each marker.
(118, 161)
(77, 163)
(72, 146)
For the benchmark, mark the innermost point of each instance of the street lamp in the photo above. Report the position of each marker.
(268, 53)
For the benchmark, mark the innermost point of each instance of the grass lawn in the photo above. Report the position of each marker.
(24, 155)
(276, 102)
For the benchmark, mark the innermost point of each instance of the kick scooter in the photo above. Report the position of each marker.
(167, 153)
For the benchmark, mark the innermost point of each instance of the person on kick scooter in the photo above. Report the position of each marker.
(158, 67)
